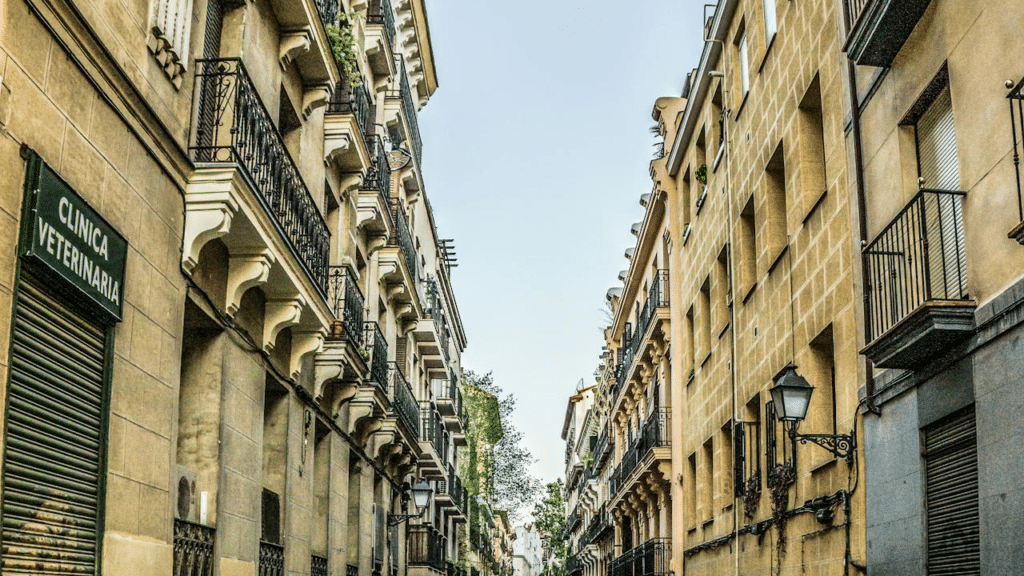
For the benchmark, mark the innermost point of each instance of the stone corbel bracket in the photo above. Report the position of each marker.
(364, 419)
(315, 97)
(209, 210)
(280, 313)
(247, 268)
(304, 343)
(294, 43)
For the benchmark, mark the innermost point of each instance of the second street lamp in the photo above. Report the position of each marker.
(791, 395)
(421, 492)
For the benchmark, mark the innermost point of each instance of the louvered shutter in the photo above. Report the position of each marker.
(951, 461)
(55, 438)
(937, 158)
(378, 537)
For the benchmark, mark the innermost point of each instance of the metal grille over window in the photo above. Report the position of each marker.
(271, 559)
(317, 565)
(54, 441)
(951, 462)
(193, 549)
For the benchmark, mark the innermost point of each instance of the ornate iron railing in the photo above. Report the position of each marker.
(626, 352)
(378, 355)
(233, 126)
(271, 559)
(317, 565)
(1016, 98)
(655, 432)
(657, 297)
(651, 558)
(432, 429)
(436, 311)
(919, 257)
(354, 101)
(403, 239)
(404, 93)
(573, 565)
(425, 547)
(447, 390)
(347, 302)
(351, 570)
(328, 11)
(403, 402)
(378, 175)
(193, 549)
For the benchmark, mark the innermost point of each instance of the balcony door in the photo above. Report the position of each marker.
(938, 169)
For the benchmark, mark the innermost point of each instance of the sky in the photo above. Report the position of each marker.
(535, 153)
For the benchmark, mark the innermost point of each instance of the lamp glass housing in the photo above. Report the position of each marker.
(421, 494)
(791, 395)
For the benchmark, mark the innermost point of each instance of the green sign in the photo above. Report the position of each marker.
(65, 234)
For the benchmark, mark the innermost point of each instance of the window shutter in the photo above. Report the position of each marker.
(951, 462)
(739, 460)
(379, 541)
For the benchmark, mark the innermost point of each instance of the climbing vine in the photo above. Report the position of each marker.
(780, 478)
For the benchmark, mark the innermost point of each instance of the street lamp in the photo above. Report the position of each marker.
(791, 395)
(421, 492)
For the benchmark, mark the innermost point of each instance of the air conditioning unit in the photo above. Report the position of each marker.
(187, 507)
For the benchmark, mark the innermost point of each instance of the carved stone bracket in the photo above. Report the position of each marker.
(315, 97)
(364, 419)
(208, 215)
(294, 43)
(280, 314)
(246, 268)
(304, 343)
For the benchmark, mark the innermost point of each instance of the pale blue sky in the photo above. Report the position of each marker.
(536, 151)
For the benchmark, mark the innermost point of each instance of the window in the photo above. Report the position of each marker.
(723, 291)
(744, 58)
(812, 146)
(690, 489)
(684, 205)
(747, 238)
(747, 452)
(707, 481)
(771, 24)
(691, 343)
(821, 373)
(718, 141)
(704, 321)
(775, 225)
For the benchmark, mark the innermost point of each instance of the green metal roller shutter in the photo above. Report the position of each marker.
(54, 442)
(951, 455)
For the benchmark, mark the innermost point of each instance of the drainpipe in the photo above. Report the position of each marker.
(858, 172)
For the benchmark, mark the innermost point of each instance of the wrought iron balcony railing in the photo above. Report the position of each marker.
(425, 547)
(354, 101)
(651, 558)
(403, 402)
(271, 559)
(654, 433)
(573, 565)
(447, 391)
(193, 549)
(657, 297)
(317, 565)
(351, 570)
(451, 487)
(378, 358)
(1016, 98)
(347, 302)
(234, 126)
(919, 257)
(380, 13)
(404, 93)
(432, 429)
(403, 239)
(328, 11)
(378, 175)
(626, 352)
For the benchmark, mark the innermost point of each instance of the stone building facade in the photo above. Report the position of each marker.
(233, 342)
(841, 200)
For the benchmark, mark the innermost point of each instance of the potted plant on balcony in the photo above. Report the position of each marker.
(343, 45)
(701, 176)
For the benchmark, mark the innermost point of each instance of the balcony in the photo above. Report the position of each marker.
(399, 268)
(404, 407)
(193, 549)
(304, 38)
(451, 496)
(374, 201)
(380, 35)
(449, 398)
(433, 441)
(657, 300)
(879, 28)
(317, 565)
(271, 559)
(425, 547)
(347, 302)
(654, 434)
(234, 128)
(651, 558)
(410, 131)
(918, 304)
(348, 126)
(377, 356)
(431, 334)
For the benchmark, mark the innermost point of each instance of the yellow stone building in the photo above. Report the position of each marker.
(230, 339)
